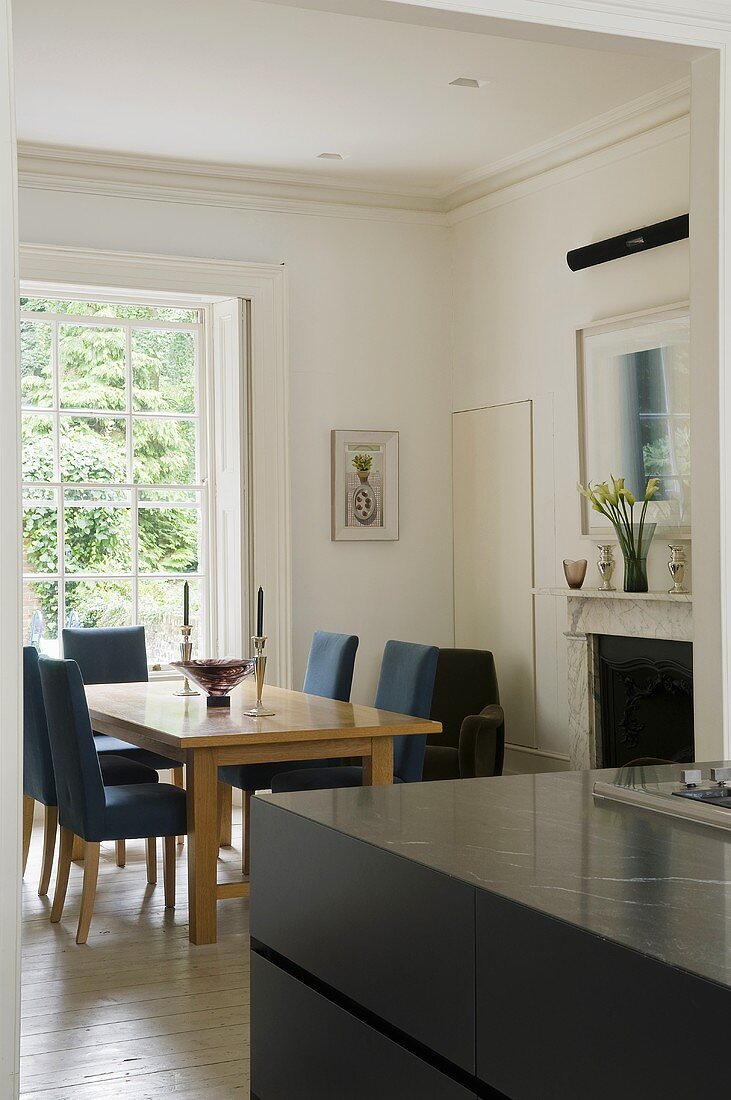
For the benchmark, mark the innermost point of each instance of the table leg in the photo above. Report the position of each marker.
(378, 767)
(202, 794)
(225, 813)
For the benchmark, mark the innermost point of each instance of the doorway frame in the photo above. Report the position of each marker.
(667, 21)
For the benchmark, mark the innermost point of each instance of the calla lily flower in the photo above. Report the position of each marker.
(617, 505)
(605, 493)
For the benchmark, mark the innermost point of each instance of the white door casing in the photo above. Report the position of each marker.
(10, 589)
(229, 503)
(492, 496)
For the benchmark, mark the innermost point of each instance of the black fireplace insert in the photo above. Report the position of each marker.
(645, 700)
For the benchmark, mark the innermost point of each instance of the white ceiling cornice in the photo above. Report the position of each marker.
(59, 168)
(710, 13)
(620, 124)
(591, 162)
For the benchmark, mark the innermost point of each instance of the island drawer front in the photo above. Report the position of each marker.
(304, 1047)
(565, 1014)
(389, 934)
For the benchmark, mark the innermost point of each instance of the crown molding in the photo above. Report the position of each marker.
(642, 115)
(592, 15)
(715, 14)
(659, 115)
(91, 172)
(590, 162)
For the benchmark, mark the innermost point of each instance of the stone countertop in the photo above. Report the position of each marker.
(657, 885)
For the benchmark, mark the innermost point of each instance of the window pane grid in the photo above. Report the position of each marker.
(113, 486)
(99, 320)
(119, 414)
(117, 576)
(110, 509)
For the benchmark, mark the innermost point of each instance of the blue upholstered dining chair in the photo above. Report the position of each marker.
(405, 686)
(88, 809)
(329, 673)
(116, 655)
(39, 781)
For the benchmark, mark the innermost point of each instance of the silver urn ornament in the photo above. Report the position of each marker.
(676, 568)
(606, 565)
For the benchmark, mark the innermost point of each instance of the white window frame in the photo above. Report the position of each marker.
(175, 280)
(129, 414)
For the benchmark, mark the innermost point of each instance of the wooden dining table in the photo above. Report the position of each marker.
(303, 727)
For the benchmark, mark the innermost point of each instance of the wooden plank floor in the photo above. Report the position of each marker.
(137, 1012)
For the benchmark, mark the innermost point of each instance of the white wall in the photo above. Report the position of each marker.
(371, 312)
(369, 348)
(517, 306)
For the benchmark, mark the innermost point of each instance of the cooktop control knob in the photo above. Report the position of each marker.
(721, 775)
(691, 777)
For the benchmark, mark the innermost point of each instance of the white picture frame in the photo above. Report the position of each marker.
(365, 485)
(603, 417)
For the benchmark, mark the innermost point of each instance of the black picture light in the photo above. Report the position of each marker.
(637, 240)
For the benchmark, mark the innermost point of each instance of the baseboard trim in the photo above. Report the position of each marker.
(523, 760)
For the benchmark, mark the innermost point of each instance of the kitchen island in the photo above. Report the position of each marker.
(492, 937)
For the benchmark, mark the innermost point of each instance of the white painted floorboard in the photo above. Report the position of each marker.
(138, 1012)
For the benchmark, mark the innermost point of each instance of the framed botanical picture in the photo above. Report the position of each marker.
(364, 485)
(634, 412)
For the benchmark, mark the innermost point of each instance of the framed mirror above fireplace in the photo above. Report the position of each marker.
(633, 375)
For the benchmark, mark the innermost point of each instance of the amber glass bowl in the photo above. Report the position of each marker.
(216, 675)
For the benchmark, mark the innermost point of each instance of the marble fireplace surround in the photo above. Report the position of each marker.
(626, 614)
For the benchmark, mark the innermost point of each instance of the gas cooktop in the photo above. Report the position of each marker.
(694, 798)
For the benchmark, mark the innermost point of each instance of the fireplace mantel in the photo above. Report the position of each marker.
(617, 594)
(626, 614)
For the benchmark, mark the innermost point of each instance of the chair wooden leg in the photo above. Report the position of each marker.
(29, 805)
(151, 849)
(176, 778)
(63, 867)
(88, 893)
(50, 825)
(247, 831)
(168, 870)
(77, 853)
(121, 846)
(225, 812)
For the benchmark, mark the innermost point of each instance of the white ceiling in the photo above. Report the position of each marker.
(267, 86)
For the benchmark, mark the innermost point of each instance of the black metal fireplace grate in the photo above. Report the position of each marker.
(645, 700)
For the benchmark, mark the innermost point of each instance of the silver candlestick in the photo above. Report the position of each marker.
(676, 568)
(259, 711)
(186, 652)
(605, 565)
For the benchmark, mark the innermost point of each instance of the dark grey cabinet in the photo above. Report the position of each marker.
(543, 985)
(304, 1047)
(379, 975)
(387, 933)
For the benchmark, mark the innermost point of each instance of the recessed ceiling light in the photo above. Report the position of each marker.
(330, 156)
(467, 82)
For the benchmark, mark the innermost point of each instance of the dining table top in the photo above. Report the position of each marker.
(155, 710)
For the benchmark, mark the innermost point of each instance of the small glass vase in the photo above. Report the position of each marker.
(635, 561)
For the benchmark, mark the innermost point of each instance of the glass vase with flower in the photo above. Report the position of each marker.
(617, 503)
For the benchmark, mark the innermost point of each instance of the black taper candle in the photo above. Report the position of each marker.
(260, 613)
(186, 604)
